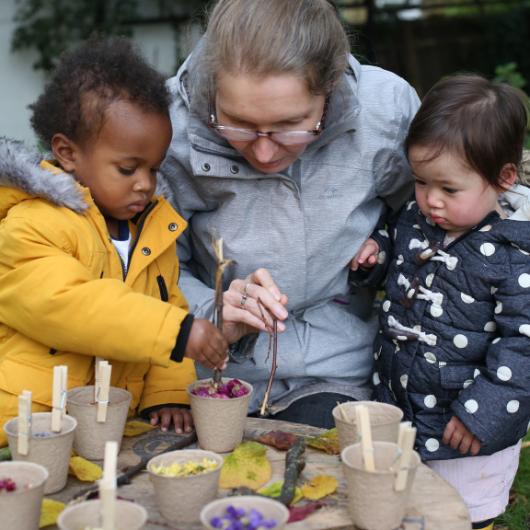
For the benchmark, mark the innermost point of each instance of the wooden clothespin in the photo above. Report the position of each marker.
(406, 439)
(24, 422)
(107, 487)
(363, 426)
(60, 383)
(102, 388)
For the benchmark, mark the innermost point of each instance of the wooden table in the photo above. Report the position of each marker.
(434, 504)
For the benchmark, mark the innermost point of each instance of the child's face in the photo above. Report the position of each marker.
(449, 192)
(119, 165)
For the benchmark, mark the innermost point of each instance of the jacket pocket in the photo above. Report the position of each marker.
(456, 376)
(164, 295)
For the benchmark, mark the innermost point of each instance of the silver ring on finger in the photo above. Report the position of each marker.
(243, 301)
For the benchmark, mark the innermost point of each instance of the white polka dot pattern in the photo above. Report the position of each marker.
(504, 373)
(460, 341)
(432, 445)
(513, 406)
(487, 249)
(430, 401)
(471, 406)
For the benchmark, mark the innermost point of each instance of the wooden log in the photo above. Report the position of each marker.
(294, 463)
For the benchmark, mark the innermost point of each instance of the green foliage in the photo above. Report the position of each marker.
(517, 516)
(509, 73)
(52, 26)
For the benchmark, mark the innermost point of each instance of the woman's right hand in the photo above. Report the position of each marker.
(250, 305)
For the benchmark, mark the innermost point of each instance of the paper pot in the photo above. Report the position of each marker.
(220, 423)
(20, 509)
(384, 421)
(129, 516)
(269, 508)
(180, 499)
(90, 435)
(52, 451)
(373, 504)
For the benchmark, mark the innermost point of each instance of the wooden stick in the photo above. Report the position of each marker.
(218, 309)
(24, 422)
(342, 412)
(294, 463)
(265, 404)
(104, 371)
(107, 486)
(406, 445)
(60, 376)
(365, 431)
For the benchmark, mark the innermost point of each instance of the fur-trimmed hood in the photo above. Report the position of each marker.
(22, 177)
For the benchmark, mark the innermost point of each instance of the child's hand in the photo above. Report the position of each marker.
(181, 418)
(206, 344)
(458, 437)
(366, 257)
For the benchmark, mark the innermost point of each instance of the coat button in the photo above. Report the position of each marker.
(146, 251)
(234, 169)
(206, 167)
(172, 227)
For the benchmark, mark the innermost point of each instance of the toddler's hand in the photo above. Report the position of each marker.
(206, 344)
(181, 418)
(458, 437)
(366, 257)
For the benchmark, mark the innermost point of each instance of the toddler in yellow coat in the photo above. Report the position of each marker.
(88, 264)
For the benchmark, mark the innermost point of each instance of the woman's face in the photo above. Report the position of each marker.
(279, 102)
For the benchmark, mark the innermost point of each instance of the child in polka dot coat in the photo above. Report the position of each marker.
(453, 350)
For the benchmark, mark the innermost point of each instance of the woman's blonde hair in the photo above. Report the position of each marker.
(263, 37)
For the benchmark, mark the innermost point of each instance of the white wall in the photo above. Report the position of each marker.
(20, 84)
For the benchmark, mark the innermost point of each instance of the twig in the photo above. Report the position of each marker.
(126, 476)
(294, 463)
(265, 404)
(218, 312)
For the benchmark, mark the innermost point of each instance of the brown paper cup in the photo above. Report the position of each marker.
(129, 516)
(20, 509)
(90, 435)
(180, 499)
(220, 423)
(269, 508)
(384, 421)
(373, 504)
(53, 451)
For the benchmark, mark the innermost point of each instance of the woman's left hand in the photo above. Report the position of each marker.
(181, 419)
(251, 305)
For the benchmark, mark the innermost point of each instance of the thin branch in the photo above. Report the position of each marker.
(264, 411)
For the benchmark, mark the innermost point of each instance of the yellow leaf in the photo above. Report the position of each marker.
(84, 470)
(247, 466)
(50, 510)
(135, 428)
(327, 442)
(273, 490)
(319, 487)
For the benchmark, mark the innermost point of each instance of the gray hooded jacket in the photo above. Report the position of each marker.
(303, 225)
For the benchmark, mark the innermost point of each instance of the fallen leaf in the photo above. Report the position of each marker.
(248, 466)
(5, 453)
(327, 442)
(135, 428)
(49, 512)
(273, 490)
(84, 469)
(319, 486)
(278, 439)
(299, 513)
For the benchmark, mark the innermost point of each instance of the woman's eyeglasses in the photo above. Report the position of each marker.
(288, 138)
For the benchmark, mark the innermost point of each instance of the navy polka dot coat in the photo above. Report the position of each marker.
(455, 330)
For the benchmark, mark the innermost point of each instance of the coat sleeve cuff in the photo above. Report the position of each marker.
(178, 351)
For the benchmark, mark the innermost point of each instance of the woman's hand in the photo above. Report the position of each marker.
(181, 419)
(251, 305)
(459, 437)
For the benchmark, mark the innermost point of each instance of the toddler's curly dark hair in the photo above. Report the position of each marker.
(87, 80)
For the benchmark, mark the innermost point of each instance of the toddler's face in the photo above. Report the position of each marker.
(449, 192)
(119, 165)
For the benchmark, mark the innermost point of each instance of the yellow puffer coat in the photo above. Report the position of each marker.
(63, 298)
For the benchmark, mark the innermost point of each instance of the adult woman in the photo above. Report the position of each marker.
(287, 147)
